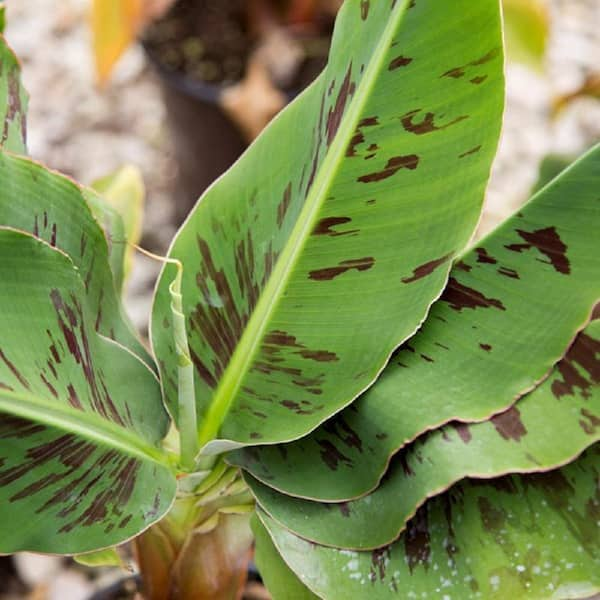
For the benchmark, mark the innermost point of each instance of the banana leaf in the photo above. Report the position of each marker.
(298, 286)
(513, 305)
(81, 417)
(529, 537)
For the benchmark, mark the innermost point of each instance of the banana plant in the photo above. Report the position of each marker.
(338, 376)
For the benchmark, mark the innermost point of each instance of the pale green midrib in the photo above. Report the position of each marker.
(245, 351)
(84, 424)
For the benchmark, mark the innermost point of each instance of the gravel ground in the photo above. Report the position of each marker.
(530, 131)
(77, 129)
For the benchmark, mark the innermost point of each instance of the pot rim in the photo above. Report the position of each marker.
(197, 89)
(194, 88)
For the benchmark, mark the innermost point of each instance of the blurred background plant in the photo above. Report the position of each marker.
(204, 82)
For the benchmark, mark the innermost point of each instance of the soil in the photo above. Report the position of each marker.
(206, 40)
(210, 41)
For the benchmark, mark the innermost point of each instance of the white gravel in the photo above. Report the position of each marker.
(530, 131)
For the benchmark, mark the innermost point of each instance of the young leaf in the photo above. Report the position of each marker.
(81, 417)
(54, 208)
(526, 29)
(13, 99)
(113, 230)
(545, 430)
(124, 192)
(485, 343)
(299, 285)
(529, 537)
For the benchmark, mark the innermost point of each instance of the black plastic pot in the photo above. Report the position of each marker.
(206, 142)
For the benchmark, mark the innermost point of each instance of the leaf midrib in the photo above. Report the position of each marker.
(247, 347)
(85, 424)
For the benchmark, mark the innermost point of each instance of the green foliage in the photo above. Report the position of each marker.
(544, 430)
(81, 415)
(66, 216)
(487, 339)
(340, 233)
(365, 197)
(13, 98)
(281, 581)
(70, 427)
(515, 537)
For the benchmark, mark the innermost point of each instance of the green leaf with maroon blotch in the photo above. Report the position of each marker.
(546, 429)
(81, 417)
(513, 305)
(13, 99)
(322, 248)
(281, 582)
(54, 208)
(529, 537)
